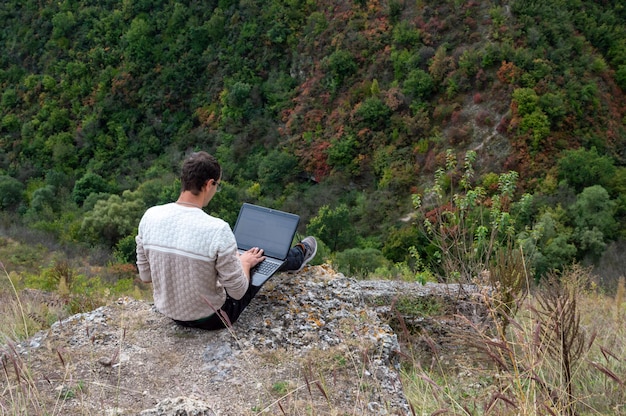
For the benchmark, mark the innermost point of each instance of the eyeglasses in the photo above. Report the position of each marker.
(218, 186)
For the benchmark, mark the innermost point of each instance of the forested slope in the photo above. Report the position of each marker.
(338, 110)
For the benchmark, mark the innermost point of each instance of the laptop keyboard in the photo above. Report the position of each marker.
(266, 267)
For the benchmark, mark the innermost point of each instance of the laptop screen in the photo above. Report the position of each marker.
(266, 228)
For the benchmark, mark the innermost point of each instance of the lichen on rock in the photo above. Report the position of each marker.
(308, 341)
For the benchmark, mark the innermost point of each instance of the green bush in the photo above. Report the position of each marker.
(526, 100)
(126, 250)
(582, 168)
(276, 170)
(405, 35)
(113, 219)
(90, 183)
(620, 77)
(373, 113)
(548, 245)
(359, 262)
(538, 125)
(465, 230)
(341, 65)
(10, 192)
(593, 218)
(342, 152)
(418, 84)
(333, 227)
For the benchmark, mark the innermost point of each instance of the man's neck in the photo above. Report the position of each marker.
(186, 198)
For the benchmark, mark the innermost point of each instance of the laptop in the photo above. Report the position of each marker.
(269, 229)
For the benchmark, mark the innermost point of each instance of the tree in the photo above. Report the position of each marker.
(235, 100)
(114, 218)
(526, 100)
(593, 218)
(90, 183)
(10, 191)
(341, 65)
(418, 84)
(139, 41)
(538, 125)
(44, 199)
(359, 261)
(276, 170)
(620, 77)
(342, 152)
(372, 113)
(548, 244)
(582, 168)
(405, 35)
(333, 227)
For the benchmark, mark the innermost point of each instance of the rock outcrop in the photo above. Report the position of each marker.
(310, 343)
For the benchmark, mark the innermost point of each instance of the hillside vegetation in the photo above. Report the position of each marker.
(504, 119)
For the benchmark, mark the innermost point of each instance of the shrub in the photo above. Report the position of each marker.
(418, 84)
(341, 65)
(538, 124)
(620, 77)
(526, 100)
(359, 262)
(276, 170)
(373, 113)
(112, 219)
(126, 250)
(593, 218)
(406, 36)
(342, 152)
(333, 227)
(582, 168)
(90, 183)
(465, 225)
(10, 191)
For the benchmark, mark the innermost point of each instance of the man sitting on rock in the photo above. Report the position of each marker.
(199, 278)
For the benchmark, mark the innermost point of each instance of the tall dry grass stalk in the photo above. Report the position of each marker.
(620, 296)
(559, 333)
(562, 355)
(18, 302)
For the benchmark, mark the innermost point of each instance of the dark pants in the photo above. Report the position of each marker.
(232, 308)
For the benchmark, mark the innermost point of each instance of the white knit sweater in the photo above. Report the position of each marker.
(191, 259)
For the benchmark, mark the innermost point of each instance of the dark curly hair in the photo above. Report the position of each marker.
(198, 168)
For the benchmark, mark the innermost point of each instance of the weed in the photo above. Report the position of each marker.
(280, 387)
(559, 356)
(417, 306)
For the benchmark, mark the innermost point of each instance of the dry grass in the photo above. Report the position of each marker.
(58, 381)
(477, 372)
(524, 373)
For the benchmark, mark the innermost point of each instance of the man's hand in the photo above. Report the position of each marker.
(251, 258)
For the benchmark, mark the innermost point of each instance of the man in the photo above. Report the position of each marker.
(199, 278)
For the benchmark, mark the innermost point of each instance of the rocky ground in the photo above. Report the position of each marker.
(310, 343)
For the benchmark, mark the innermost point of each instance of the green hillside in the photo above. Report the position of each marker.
(337, 110)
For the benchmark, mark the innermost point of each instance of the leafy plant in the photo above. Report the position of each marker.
(372, 113)
(341, 65)
(115, 218)
(10, 191)
(466, 225)
(582, 168)
(360, 262)
(333, 227)
(88, 184)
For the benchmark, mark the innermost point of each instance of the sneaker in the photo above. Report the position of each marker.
(309, 245)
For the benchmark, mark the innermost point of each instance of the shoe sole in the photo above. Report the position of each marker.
(307, 260)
